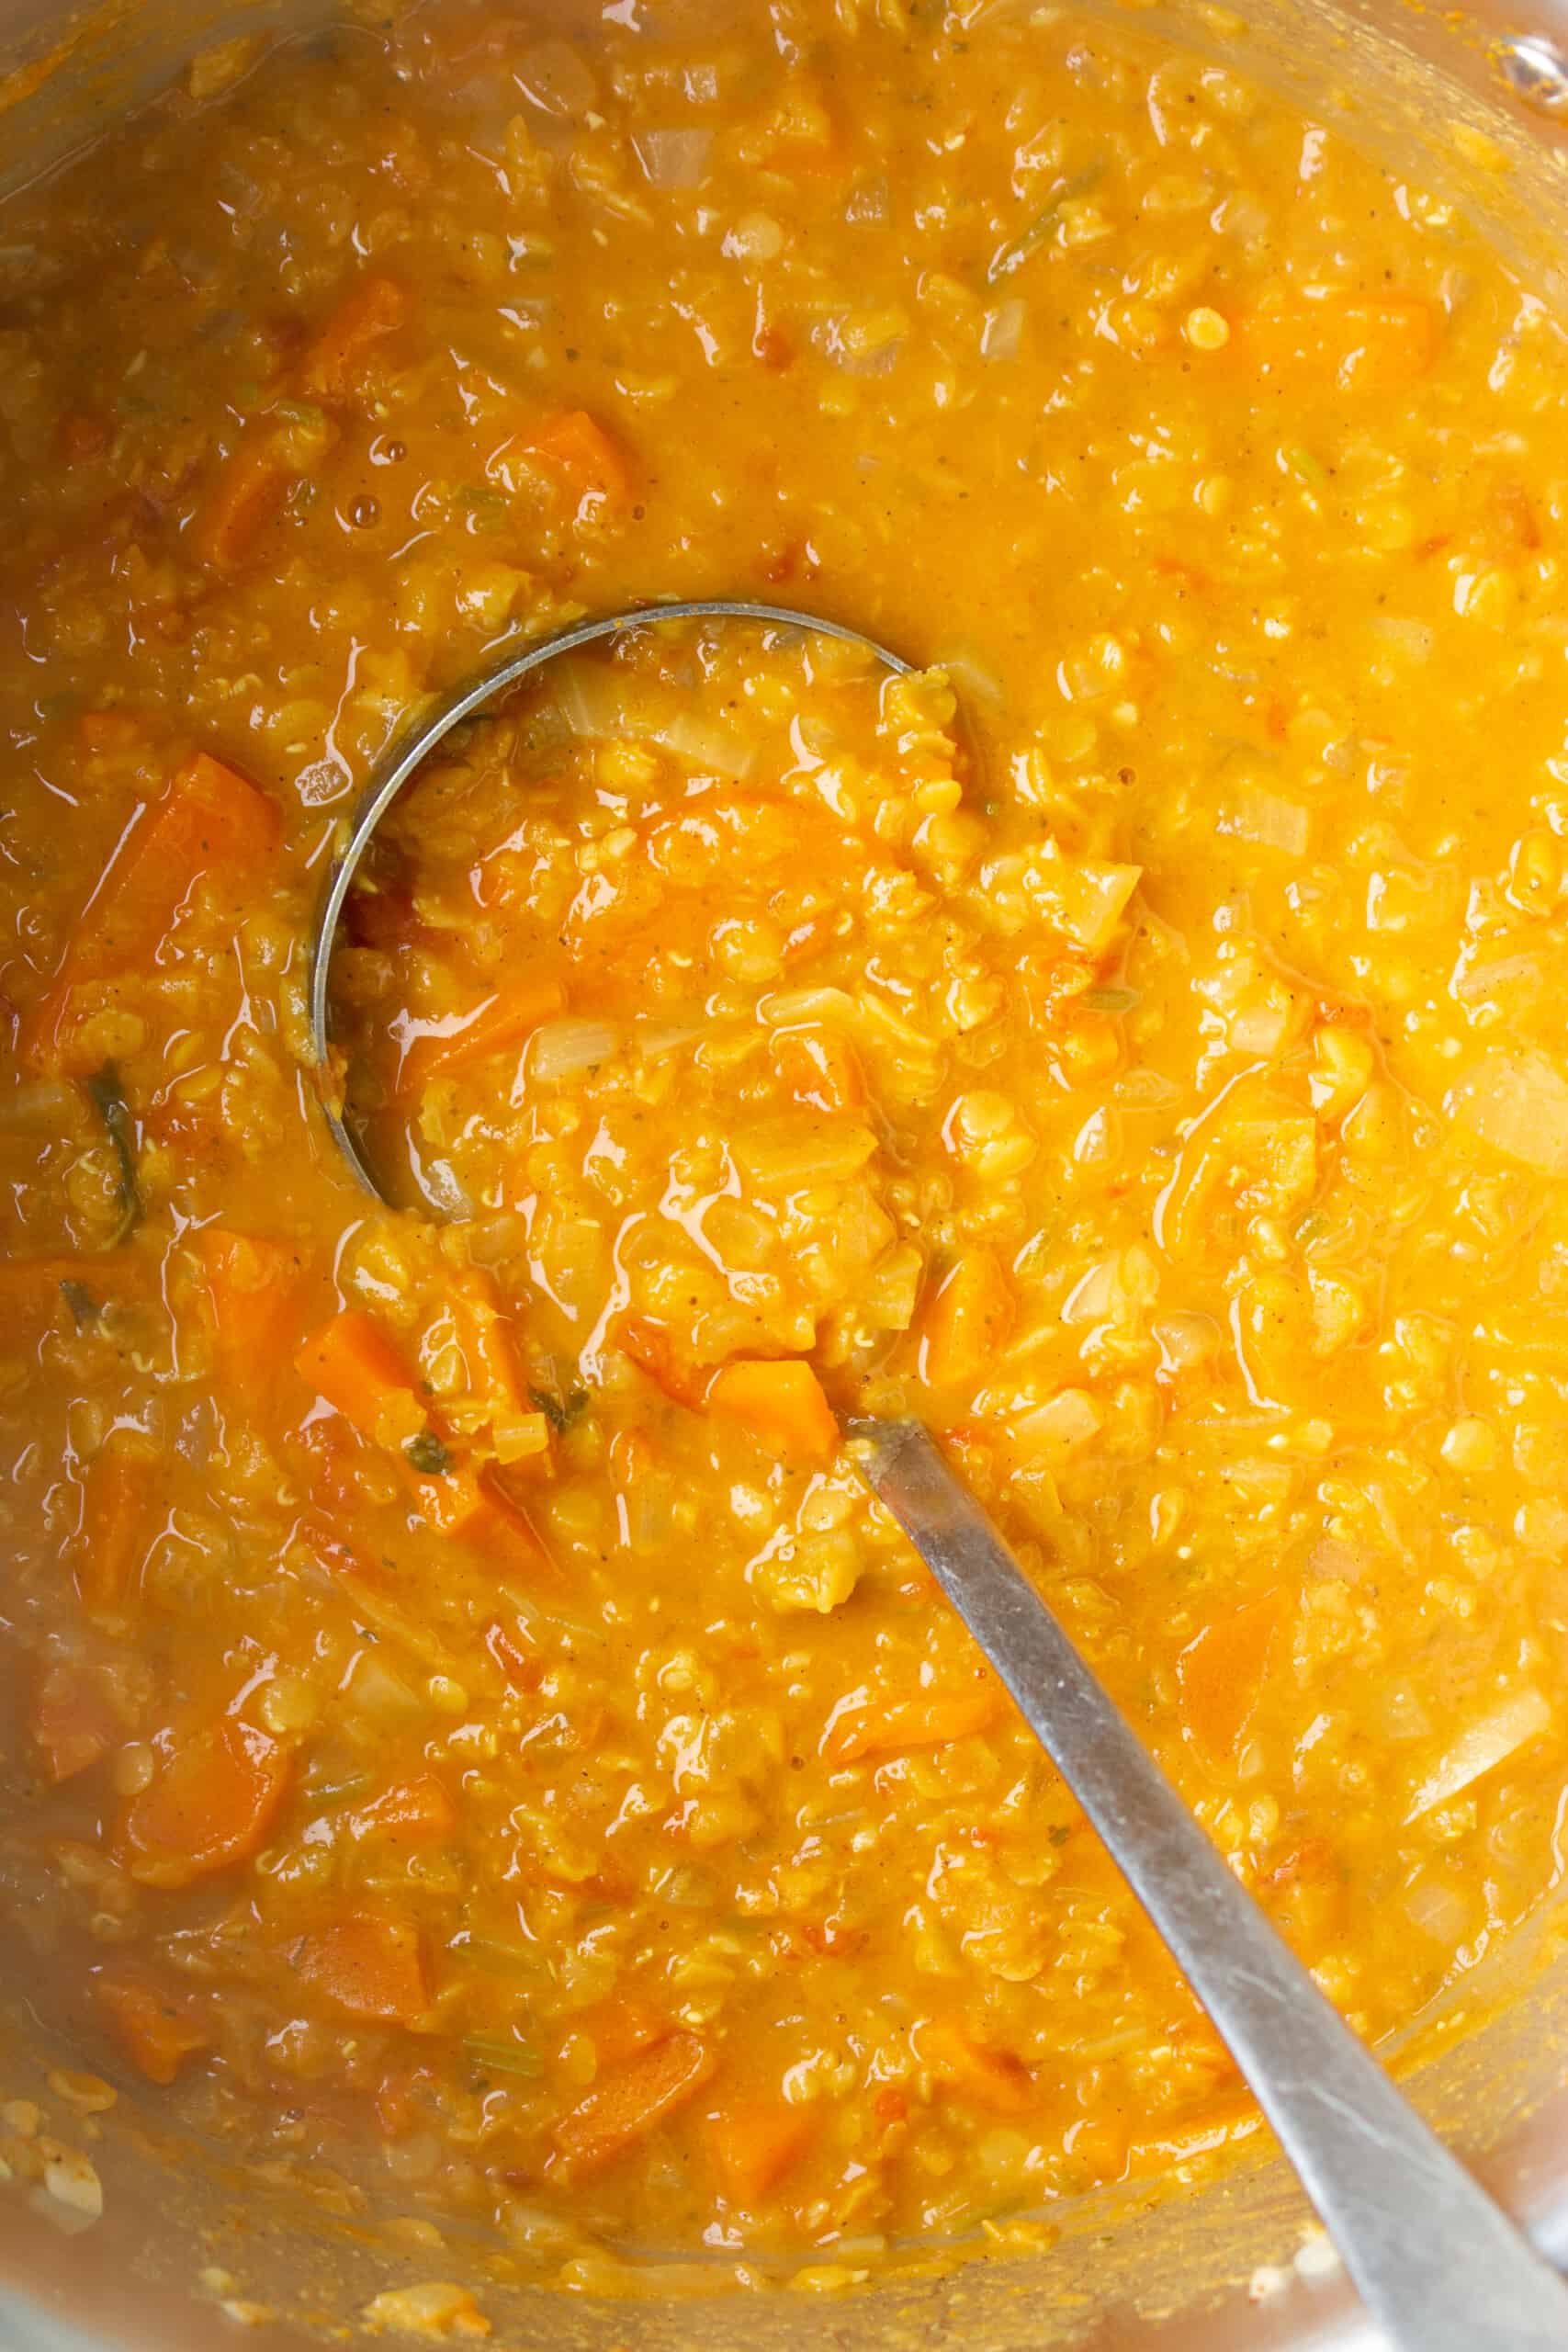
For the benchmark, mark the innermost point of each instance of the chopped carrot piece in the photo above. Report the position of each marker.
(218, 1793)
(495, 1370)
(254, 1285)
(620, 2029)
(991, 2078)
(466, 1505)
(968, 1321)
(1220, 1673)
(73, 1722)
(211, 817)
(818, 1070)
(583, 458)
(654, 1349)
(370, 1964)
(755, 2144)
(619, 2112)
(358, 1367)
(116, 1506)
(522, 1670)
(410, 1809)
(862, 1725)
(248, 493)
(80, 438)
(377, 307)
(782, 1404)
(1357, 346)
(109, 731)
(500, 1025)
(156, 2033)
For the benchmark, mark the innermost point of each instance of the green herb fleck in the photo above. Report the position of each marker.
(107, 1099)
(322, 1795)
(428, 1455)
(559, 1413)
(84, 1308)
(1059, 1833)
(1112, 1000)
(1013, 257)
(496, 2055)
(1309, 471)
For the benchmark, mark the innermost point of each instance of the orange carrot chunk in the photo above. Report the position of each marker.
(254, 1285)
(210, 820)
(73, 1723)
(589, 465)
(782, 1404)
(155, 2031)
(408, 1810)
(377, 307)
(861, 1726)
(654, 1349)
(968, 1321)
(623, 2109)
(1357, 346)
(358, 1367)
(369, 1965)
(117, 1513)
(249, 492)
(755, 2144)
(211, 1804)
(1220, 1673)
(991, 2078)
(470, 1507)
(818, 1070)
(500, 1025)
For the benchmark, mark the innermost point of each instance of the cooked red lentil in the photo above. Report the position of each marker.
(477, 1733)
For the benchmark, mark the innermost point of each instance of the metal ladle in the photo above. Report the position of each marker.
(413, 747)
(1436, 2262)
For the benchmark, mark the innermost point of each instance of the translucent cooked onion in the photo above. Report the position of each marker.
(1483, 1744)
(1435, 1907)
(1266, 817)
(1002, 334)
(553, 77)
(562, 1048)
(673, 159)
(704, 744)
(1516, 1101)
(379, 1694)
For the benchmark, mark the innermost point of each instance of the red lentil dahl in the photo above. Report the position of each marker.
(474, 1728)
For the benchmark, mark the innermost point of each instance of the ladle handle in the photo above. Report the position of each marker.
(1439, 2265)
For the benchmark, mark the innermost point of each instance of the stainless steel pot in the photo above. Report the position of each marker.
(1473, 102)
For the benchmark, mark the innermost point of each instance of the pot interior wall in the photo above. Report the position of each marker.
(1130, 2271)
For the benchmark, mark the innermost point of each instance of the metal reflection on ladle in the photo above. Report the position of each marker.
(411, 748)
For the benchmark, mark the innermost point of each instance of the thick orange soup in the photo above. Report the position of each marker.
(473, 1730)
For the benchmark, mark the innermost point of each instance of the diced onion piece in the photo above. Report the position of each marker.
(1437, 1908)
(1055, 1432)
(589, 697)
(672, 159)
(704, 744)
(554, 78)
(1259, 1031)
(1489, 1741)
(1516, 1101)
(656, 1039)
(1414, 640)
(1501, 979)
(562, 1048)
(1265, 817)
(1083, 897)
(798, 1148)
(806, 1007)
(1003, 331)
(375, 1690)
